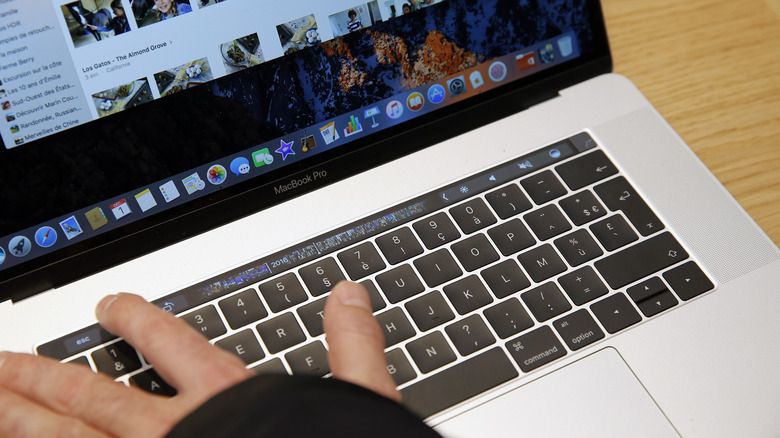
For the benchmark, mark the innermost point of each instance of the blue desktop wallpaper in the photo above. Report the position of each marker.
(390, 57)
(101, 159)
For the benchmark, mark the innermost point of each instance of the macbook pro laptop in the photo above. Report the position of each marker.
(544, 254)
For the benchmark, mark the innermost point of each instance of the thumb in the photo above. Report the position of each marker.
(356, 343)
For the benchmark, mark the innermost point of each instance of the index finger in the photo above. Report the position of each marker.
(181, 356)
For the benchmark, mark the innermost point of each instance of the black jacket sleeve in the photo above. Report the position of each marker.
(298, 406)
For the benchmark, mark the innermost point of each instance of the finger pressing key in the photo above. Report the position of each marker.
(181, 356)
(356, 342)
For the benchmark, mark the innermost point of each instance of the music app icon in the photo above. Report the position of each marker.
(394, 109)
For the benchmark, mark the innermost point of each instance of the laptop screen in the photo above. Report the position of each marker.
(120, 116)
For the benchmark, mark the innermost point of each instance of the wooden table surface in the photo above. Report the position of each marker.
(712, 69)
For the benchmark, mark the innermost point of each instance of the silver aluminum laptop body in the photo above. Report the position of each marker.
(705, 368)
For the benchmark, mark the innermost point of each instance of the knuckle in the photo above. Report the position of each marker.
(11, 367)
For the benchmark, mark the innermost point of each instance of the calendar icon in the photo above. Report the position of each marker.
(120, 209)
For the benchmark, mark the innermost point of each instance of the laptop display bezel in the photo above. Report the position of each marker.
(207, 213)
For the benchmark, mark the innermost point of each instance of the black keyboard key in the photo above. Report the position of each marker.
(470, 335)
(508, 318)
(395, 326)
(545, 301)
(399, 367)
(542, 263)
(431, 352)
(583, 285)
(536, 348)
(399, 283)
(312, 315)
(511, 237)
(242, 309)
(468, 294)
(310, 360)
(583, 207)
(508, 201)
(243, 344)
(152, 383)
(361, 261)
(586, 170)
(283, 292)
(75, 342)
(618, 194)
(377, 302)
(641, 260)
(578, 247)
(657, 303)
(543, 187)
(206, 321)
(688, 281)
(281, 333)
(582, 141)
(646, 289)
(273, 366)
(116, 360)
(472, 216)
(474, 376)
(615, 313)
(547, 222)
(437, 268)
(429, 311)
(613, 232)
(578, 329)
(399, 245)
(505, 278)
(475, 252)
(320, 277)
(80, 360)
(436, 230)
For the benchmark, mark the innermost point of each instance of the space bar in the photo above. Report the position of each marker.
(456, 384)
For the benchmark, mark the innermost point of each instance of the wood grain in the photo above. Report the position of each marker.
(712, 69)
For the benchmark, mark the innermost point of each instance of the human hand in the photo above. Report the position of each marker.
(41, 397)
(356, 343)
(91, 27)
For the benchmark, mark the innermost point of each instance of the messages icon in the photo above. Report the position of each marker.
(239, 165)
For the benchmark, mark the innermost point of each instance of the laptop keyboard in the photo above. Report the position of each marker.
(477, 282)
